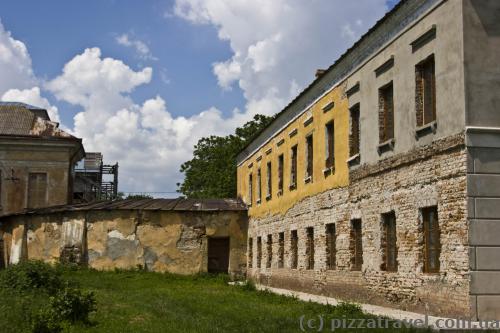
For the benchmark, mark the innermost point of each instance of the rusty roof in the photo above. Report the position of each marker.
(179, 204)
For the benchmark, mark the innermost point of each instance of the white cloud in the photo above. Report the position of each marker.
(139, 46)
(32, 96)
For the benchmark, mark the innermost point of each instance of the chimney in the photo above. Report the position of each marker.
(319, 72)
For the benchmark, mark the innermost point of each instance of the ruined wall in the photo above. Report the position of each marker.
(161, 241)
(426, 176)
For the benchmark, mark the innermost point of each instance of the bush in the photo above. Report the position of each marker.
(31, 275)
(46, 321)
(73, 305)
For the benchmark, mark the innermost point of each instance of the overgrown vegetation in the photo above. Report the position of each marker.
(211, 173)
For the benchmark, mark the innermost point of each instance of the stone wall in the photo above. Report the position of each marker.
(426, 176)
(162, 241)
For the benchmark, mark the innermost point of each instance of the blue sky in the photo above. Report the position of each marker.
(147, 79)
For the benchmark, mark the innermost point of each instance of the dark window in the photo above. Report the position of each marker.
(354, 133)
(432, 242)
(0, 190)
(250, 189)
(281, 161)
(259, 251)
(310, 248)
(309, 157)
(425, 91)
(294, 240)
(356, 245)
(269, 175)
(389, 246)
(281, 249)
(269, 246)
(331, 246)
(259, 186)
(293, 167)
(386, 113)
(250, 253)
(37, 190)
(330, 145)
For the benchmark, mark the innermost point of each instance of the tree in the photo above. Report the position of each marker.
(211, 173)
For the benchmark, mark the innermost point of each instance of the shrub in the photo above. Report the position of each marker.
(31, 275)
(46, 321)
(73, 305)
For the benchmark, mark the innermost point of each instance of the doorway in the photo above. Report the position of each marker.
(218, 255)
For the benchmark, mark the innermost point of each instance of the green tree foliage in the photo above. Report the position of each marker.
(211, 173)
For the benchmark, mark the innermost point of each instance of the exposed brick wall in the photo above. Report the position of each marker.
(427, 176)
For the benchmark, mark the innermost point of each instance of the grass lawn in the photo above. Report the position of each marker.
(134, 301)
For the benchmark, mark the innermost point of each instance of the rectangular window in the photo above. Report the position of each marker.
(259, 251)
(269, 181)
(330, 145)
(356, 245)
(294, 240)
(259, 186)
(281, 161)
(293, 167)
(389, 240)
(331, 251)
(309, 158)
(425, 91)
(281, 249)
(250, 189)
(354, 133)
(37, 190)
(386, 113)
(0, 191)
(310, 248)
(269, 251)
(432, 242)
(250, 253)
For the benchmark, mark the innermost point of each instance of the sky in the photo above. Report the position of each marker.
(142, 81)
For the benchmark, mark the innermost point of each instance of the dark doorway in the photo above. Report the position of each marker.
(218, 255)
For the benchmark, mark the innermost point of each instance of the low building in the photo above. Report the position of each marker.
(180, 236)
(380, 182)
(37, 159)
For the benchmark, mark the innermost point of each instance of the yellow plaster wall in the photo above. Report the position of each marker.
(321, 182)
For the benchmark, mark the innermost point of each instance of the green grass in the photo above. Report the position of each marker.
(135, 301)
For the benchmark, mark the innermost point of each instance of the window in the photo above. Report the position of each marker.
(389, 246)
(269, 246)
(331, 246)
(259, 186)
(37, 190)
(0, 191)
(250, 189)
(281, 249)
(259, 251)
(309, 158)
(432, 242)
(293, 167)
(294, 240)
(425, 92)
(386, 113)
(310, 248)
(354, 134)
(250, 253)
(330, 145)
(281, 161)
(269, 181)
(356, 245)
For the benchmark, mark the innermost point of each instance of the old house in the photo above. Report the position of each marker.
(380, 182)
(37, 159)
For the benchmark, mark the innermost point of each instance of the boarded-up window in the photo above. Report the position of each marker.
(281, 161)
(310, 248)
(269, 181)
(309, 157)
(259, 251)
(37, 190)
(432, 242)
(386, 113)
(354, 133)
(250, 253)
(294, 240)
(269, 246)
(293, 167)
(356, 245)
(250, 189)
(425, 91)
(330, 246)
(330, 145)
(389, 246)
(281, 249)
(259, 186)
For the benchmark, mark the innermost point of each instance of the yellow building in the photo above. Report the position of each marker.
(306, 157)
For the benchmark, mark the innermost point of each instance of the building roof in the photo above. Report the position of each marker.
(179, 204)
